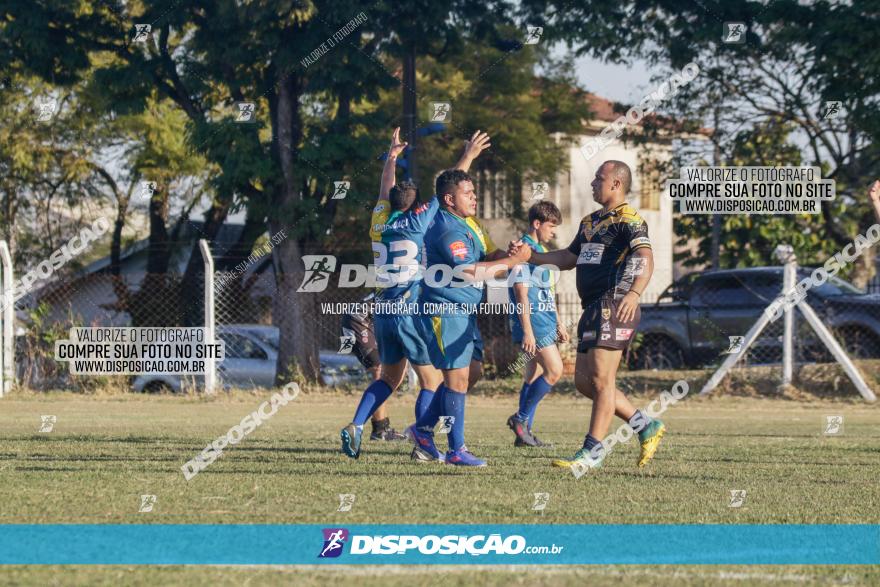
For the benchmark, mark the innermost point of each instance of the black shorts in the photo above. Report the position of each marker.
(600, 327)
(365, 348)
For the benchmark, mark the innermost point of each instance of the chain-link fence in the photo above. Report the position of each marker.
(695, 324)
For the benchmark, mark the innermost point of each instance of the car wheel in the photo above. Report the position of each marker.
(657, 352)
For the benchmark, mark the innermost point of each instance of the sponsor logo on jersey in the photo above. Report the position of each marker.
(622, 333)
(640, 241)
(591, 254)
(459, 249)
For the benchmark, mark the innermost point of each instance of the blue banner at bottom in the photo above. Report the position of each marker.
(144, 544)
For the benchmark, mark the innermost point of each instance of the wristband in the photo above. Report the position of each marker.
(638, 293)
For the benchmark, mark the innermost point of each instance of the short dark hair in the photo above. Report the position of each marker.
(621, 171)
(400, 196)
(447, 181)
(545, 211)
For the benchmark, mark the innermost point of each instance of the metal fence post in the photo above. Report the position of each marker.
(6, 294)
(785, 253)
(210, 370)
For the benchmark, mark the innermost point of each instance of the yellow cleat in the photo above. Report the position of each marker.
(650, 441)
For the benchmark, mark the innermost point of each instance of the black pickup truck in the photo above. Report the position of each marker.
(691, 323)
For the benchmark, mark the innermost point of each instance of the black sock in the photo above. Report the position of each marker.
(381, 425)
(590, 442)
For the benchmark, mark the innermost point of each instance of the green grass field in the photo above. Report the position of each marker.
(106, 450)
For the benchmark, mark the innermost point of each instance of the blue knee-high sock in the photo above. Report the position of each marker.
(423, 401)
(537, 390)
(521, 413)
(432, 412)
(453, 405)
(373, 397)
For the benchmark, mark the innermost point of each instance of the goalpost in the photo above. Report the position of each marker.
(785, 253)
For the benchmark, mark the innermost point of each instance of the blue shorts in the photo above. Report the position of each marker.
(453, 340)
(398, 337)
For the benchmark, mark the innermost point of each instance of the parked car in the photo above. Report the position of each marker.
(692, 321)
(250, 361)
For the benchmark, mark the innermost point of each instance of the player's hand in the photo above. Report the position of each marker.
(522, 253)
(874, 192)
(561, 333)
(626, 310)
(479, 142)
(512, 246)
(396, 147)
(529, 345)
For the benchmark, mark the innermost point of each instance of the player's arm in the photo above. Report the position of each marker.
(521, 293)
(562, 258)
(874, 195)
(389, 171)
(644, 257)
(472, 149)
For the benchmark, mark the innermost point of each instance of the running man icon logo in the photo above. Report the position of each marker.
(141, 33)
(46, 109)
(148, 188)
(533, 35)
(734, 33)
(441, 112)
(47, 423)
(346, 501)
(737, 498)
(318, 270)
(147, 502)
(245, 112)
(833, 425)
(832, 109)
(346, 342)
(340, 189)
(446, 423)
(541, 501)
(540, 189)
(736, 345)
(334, 540)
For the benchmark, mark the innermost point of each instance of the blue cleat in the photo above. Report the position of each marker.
(424, 445)
(463, 458)
(351, 441)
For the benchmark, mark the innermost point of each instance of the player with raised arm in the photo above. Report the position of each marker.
(397, 229)
(612, 254)
(452, 332)
(535, 324)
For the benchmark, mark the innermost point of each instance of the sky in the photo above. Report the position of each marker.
(618, 83)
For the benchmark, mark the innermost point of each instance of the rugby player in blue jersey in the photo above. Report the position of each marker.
(535, 324)
(397, 230)
(453, 246)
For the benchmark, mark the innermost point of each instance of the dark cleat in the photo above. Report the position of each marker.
(521, 429)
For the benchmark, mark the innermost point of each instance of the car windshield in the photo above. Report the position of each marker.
(834, 287)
